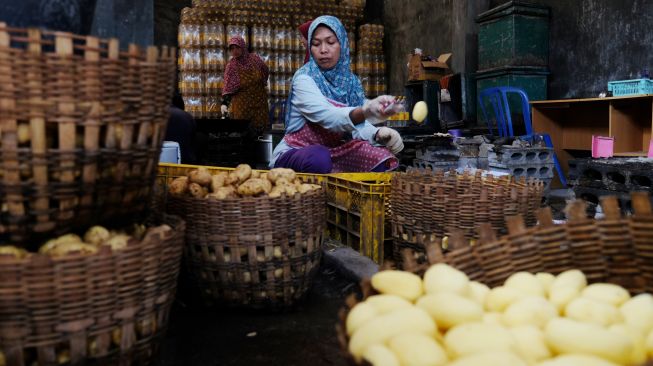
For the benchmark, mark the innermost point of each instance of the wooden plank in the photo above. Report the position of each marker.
(553, 101)
(630, 125)
(64, 48)
(92, 123)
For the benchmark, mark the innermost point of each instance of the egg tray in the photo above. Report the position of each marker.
(107, 308)
(81, 129)
(614, 249)
(437, 203)
(253, 252)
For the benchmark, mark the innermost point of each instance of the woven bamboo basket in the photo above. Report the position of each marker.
(615, 249)
(81, 128)
(428, 206)
(109, 308)
(255, 252)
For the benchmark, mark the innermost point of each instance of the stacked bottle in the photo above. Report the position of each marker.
(370, 60)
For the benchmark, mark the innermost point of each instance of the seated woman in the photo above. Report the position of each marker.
(328, 119)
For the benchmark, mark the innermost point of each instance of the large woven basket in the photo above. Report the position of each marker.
(429, 205)
(255, 252)
(615, 249)
(109, 308)
(81, 128)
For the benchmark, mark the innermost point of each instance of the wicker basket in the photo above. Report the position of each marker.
(427, 206)
(109, 308)
(256, 252)
(615, 249)
(81, 127)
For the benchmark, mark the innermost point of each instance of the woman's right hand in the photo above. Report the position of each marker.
(224, 110)
(379, 109)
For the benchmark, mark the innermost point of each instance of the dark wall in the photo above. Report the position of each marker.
(131, 21)
(167, 15)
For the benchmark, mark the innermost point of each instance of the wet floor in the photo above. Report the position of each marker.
(201, 336)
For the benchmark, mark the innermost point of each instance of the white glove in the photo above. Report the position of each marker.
(380, 108)
(224, 110)
(390, 138)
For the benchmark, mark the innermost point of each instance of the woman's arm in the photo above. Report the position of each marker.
(312, 104)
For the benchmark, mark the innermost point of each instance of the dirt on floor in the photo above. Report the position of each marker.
(304, 335)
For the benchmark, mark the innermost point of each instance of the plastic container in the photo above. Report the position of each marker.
(631, 87)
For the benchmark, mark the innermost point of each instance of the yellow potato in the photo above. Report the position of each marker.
(96, 235)
(13, 252)
(417, 350)
(471, 338)
(478, 292)
(384, 327)
(420, 111)
(359, 315)
(200, 176)
(444, 278)
(638, 356)
(606, 292)
(179, 186)
(52, 243)
(223, 193)
(252, 187)
(67, 248)
(592, 311)
(525, 282)
(24, 133)
(572, 277)
(400, 283)
(493, 318)
(500, 297)
(560, 296)
(117, 242)
(571, 336)
(649, 344)
(197, 190)
(380, 355)
(449, 309)
(277, 173)
(530, 343)
(243, 172)
(218, 181)
(638, 312)
(385, 303)
(546, 279)
(533, 310)
(491, 358)
(576, 360)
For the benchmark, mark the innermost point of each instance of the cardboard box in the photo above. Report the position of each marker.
(421, 67)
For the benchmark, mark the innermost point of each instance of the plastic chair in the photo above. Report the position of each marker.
(498, 99)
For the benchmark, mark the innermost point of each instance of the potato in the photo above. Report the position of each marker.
(546, 279)
(638, 312)
(232, 179)
(380, 355)
(276, 192)
(449, 309)
(606, 292)
(217, 181)
(385, 303)
(252, 187)
(278, 273)
(243, 172)
(359, 315)
(576, 360)
(561, 296)
(649, 344)
(277, 173)
(592, 311)
(255, 174)
(67, 248)
(267, 186)
(264, 176)
(10, 251)
(276, 252)
(118, 242)
(493, 317)
(179, 186)
(384, 327)
(478, 292)
(400, 283)
(572, 277)
(200, 176)
(500, 297)
(52, 243)
(532, 310)
(24, 133)
(223, 193)
(638, 355)
(282, 182)
(444, 278)
(525, 282)
(571, 336)
(420, 110)
(470, 338)
(197, 190)
(530, 343)
(417, 350)
(492, 358)
(303, 188)
(96, 235)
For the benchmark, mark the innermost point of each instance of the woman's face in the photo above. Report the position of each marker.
(235, 51)
(325, 47)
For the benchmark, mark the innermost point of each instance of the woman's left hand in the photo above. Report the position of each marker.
(390, 138)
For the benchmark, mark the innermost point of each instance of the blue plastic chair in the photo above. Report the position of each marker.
(498, 99)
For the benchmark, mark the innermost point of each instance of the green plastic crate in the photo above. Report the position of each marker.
(513, 34)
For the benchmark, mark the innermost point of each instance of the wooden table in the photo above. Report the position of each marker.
(572, 122)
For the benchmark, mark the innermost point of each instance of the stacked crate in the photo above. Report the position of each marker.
(530, 162)
(370, 60)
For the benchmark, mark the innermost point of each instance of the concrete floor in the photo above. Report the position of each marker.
(303, 336)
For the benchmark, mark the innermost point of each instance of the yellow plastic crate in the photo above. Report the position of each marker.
(357, 207)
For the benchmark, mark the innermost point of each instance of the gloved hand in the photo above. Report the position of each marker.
(390, 138)
(379, 109)
(224, 110)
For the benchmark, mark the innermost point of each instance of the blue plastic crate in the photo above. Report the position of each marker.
(630, 87)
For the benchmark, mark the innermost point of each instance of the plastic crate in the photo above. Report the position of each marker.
(630, 87)
(357, 207)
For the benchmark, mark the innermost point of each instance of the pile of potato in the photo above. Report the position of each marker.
(533, 319)
(241, 182)
(94, 238)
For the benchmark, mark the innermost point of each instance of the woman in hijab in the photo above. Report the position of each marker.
(328, 120)
(245, 79)
(303, 30)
